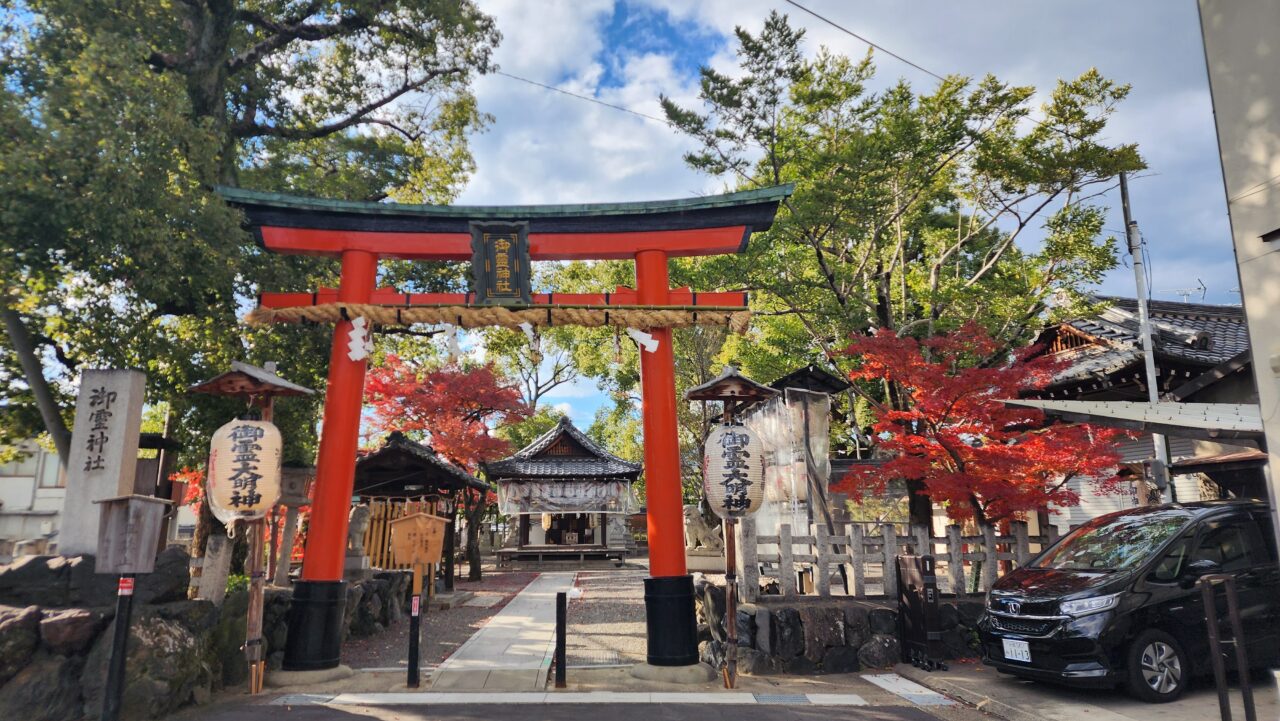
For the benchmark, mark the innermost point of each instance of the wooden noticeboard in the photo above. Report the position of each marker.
(418, 538)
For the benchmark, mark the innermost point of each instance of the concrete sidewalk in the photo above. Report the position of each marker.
(513, 651)
(1017, 700)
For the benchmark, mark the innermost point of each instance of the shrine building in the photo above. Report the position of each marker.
(571, 498)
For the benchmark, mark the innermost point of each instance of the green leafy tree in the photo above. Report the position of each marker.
(119, 120)
(913, 211)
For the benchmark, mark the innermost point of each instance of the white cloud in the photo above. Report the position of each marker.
(545, 147)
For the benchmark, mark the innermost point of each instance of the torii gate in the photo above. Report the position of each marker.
(359, 233)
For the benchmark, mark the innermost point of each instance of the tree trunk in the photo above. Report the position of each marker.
(33, 371)
(475, 514)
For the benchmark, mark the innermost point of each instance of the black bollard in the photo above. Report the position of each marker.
(415, 627)
(119, 648)
(562, 614)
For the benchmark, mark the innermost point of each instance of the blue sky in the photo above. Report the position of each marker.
(544, 147)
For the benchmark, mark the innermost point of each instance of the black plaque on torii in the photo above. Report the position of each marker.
(500, 269)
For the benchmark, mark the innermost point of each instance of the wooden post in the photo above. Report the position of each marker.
(415, 627)
(253, 644)
(990, 571)
(857, 559)
(955, 560)
(253, 650)
(823, 543)
(889, 550)
(786, 564)
(730, 604)
(750, 561)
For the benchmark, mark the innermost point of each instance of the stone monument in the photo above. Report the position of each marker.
(357, 566)
(104, 453)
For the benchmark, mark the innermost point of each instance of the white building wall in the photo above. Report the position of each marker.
(1240, 42)
(31, 496)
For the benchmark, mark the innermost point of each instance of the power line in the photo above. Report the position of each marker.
(917, 66)
(588, 98)
(879, 47)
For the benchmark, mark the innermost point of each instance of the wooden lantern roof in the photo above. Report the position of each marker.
(248, 381)
(730, 385)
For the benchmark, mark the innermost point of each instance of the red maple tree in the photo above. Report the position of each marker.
(958, 444)
(455, 408)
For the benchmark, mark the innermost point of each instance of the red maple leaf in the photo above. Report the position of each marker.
(455, 408)
(959, 443)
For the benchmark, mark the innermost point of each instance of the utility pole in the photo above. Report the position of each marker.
(1159, 465)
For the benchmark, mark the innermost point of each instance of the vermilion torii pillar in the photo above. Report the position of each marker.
(359, 234)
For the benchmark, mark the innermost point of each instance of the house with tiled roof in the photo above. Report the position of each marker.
(1201, 356)
(570, 495)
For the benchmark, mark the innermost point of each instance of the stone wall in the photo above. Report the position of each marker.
(821, 635)
(57, 619)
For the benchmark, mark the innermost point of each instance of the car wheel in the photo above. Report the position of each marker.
(1158, 669)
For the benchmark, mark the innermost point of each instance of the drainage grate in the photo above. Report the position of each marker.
(782, 699)
(588, 658)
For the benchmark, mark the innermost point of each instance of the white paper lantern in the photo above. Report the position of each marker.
(733, 471)
(244, 470)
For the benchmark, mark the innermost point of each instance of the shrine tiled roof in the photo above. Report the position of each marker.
(534, 461)
(399, 454)
(1193, 334)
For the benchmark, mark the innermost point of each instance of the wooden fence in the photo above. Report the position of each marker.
(803, 565)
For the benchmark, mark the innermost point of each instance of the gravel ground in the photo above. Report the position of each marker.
(606, 623)
(442, 631)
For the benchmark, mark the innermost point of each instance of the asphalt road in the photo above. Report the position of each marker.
(587, 712)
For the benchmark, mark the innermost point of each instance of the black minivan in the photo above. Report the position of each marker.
(1115, 602)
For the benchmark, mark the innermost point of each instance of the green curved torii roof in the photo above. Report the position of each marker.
(283, 201)
(754, 209)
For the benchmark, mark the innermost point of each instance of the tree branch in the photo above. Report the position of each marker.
(357, 117)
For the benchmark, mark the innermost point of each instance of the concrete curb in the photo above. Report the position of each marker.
(976, 699)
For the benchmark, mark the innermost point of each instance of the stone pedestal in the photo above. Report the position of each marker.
(357, 568)
(705, 560)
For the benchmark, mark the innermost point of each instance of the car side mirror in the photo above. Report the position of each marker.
(1197, 569)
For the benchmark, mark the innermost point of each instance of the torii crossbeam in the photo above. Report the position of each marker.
(650, 233)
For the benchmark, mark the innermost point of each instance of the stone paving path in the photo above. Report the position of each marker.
(513, 651)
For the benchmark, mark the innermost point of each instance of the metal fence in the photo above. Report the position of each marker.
(860, 558)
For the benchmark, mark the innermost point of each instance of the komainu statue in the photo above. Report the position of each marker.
(698, 533)
(357, 524)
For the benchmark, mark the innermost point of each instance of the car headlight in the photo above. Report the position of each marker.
(1086, 606)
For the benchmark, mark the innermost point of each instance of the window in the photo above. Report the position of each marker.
(25, 465)
(1170, 567)
(1115, 543)
(1234, 544)
(1263, 520)
(51, 472)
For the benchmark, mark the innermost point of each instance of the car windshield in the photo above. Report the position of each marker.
(1114, 544)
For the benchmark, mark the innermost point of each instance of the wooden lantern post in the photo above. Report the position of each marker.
(127, 536)
(735, 392)
(417, 540)
(259, 387)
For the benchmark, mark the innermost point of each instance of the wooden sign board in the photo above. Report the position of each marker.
(129, 534)
(418, 538)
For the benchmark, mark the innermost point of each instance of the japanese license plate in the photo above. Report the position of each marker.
(1016, 650)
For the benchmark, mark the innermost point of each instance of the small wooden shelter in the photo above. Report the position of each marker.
(404, 477)
(571, 497)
